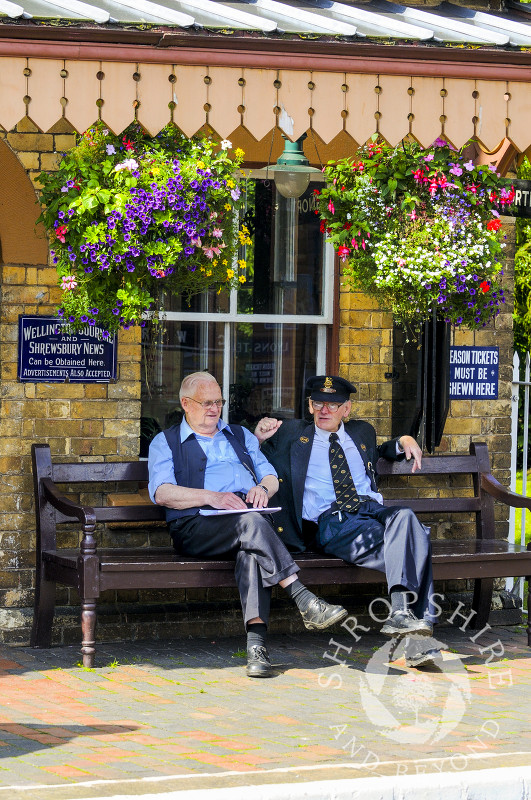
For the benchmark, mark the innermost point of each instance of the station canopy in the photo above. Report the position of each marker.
(332, 67)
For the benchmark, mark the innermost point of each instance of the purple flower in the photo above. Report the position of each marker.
(110, 148)
(469, 166)
(456, 170)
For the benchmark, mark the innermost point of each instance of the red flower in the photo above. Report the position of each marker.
(322, 226)
(60, 232)
(343, 252)
(484, 286)
(128, 144)
(347, 226)
(493, 225)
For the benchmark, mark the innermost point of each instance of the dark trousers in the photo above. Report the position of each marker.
(262, 560)
(391, 540)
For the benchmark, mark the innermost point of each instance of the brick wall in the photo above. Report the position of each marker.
(91, 421)
(76, 420)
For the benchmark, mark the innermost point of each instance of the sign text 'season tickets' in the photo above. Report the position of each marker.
(48, 354)
(474, 373)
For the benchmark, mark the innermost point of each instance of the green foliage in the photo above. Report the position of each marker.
(418, 230)
(131, 217)
(522, 278)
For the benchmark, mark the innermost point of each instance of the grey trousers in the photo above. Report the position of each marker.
(391, 540)
(262, 560)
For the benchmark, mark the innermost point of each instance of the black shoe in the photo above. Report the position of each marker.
(258, 663)
(405, 623)
(320, 615)
(429, 659)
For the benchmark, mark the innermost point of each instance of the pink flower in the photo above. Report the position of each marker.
(343, 252)
(217, 232)
(60, 232)
(331, 207)
(209, 252)
(68, 282)
(196, 242)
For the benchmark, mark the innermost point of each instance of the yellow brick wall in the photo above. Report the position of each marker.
(76, 420)
(93, 421)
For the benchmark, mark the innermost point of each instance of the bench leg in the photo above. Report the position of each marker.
(481, 601)
(88, 630)
(43, 614)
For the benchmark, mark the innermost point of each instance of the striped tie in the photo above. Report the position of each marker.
(347, 498)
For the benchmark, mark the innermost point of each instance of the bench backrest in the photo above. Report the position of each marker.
(112, 472)
(477, 501)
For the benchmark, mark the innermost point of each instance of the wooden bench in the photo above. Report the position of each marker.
(92, 570)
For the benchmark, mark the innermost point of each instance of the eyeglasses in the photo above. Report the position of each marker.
(318, 405)
(206, 404)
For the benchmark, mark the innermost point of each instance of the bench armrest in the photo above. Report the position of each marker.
(493, 487)
(85, 514)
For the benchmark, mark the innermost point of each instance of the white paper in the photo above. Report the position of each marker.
(205, 512)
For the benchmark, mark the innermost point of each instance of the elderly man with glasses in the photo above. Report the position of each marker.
(330, 502)
(204, 466)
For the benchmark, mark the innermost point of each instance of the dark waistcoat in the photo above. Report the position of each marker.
(189, 462)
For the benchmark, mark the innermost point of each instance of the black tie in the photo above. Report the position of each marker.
(347, 498)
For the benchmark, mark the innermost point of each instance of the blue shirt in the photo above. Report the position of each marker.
(318, 488)
(224, 472)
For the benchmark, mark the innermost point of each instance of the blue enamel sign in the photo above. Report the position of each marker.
(46, 354)
(474, 373)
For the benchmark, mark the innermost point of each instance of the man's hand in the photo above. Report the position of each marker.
(412, 451)
(257, 497)
(227, 500)
(266, 428)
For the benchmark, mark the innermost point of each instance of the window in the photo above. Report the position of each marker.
(262, 341)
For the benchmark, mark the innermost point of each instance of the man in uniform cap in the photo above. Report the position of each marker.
(327, 477)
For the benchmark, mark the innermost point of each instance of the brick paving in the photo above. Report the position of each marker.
(161, 715)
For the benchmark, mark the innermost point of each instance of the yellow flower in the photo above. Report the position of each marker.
(215, 262)
(227, 206)
(241, 263)
(230, 274)
(155, 170)
(239, 153)
(208, 273)
(242, 278)
(224, 262)
(200, 165)
(231, 184)
(244, 229)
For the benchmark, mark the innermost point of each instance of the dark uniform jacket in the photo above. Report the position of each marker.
(289, 452)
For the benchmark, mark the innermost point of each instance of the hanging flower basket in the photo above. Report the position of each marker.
(132, 216)
(419, 231)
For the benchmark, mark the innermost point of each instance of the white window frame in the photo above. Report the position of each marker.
(232, 317)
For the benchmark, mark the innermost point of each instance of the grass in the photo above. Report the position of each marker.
(518, 511)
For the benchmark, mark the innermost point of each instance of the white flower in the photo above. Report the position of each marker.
(225, 144)
(129, 164)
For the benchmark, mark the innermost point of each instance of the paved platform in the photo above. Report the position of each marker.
(162, 717)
